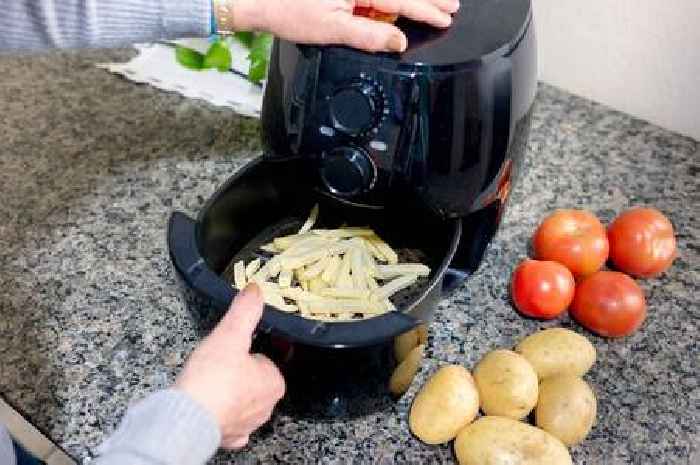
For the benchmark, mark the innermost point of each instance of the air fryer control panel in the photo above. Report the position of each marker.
(373, 129)
(348, 129)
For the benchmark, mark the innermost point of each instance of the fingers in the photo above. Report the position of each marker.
(369, 35)
(434, 12)
(448, 6)
(386, 6)
(239, 323)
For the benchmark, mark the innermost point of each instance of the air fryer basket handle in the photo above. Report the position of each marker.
(190, 263)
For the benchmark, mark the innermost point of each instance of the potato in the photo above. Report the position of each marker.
(504, 441)
(507, 384)
(557, 351)
(403, 375)
(447, 403)
(566, 408)
(406, 342)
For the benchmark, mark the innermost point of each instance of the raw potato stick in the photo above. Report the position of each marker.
(359, 275)
(310, 221)
(391, 257)
(275, 268)
(344, 233)
(372, 283)
(289, 308)
(293, 245)
(285, 279)
(285, 242)
(344, 280)
(268, 270)
(331, 272)
(392, 287)
(316, 285)
(252, 268)
(369, 263)
(303, 308)
(292, 262)
(314, 270)
(299, 295)
(345, 293)
(297, 274)
(392, 271)
(372, 249)
(272, 295)
(390, 307)
(239, 278)
(269, 248)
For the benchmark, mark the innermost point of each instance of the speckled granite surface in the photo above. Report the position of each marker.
(91, 166)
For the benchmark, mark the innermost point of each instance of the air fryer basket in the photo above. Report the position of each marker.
(331, 369)
(271, 198)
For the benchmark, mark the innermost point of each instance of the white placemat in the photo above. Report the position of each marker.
(155, 65)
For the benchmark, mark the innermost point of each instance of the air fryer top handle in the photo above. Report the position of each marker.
(194, 270)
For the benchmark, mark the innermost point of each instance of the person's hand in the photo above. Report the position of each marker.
(331, 22)
(238, 387)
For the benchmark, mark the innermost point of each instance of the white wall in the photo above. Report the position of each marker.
(638, 56)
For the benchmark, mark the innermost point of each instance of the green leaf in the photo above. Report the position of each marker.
(262, 45)
(257, 71)
(246, 38)
(218, 56)
(189, 58)
(259, 57)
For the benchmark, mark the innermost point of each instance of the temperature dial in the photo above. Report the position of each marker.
(347, 171)
(357, 108)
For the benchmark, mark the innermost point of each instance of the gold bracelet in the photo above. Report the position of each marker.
(223, 13)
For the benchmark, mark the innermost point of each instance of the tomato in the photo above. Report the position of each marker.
(609, 303)
(377, 15)
(542, 289)
(574, 238)
(642, 242)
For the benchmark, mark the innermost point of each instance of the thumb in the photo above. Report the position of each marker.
(241, 319)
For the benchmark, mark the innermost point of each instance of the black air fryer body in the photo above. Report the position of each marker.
(444, 125)
(423, 146)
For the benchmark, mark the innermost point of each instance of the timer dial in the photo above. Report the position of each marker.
(357, 108)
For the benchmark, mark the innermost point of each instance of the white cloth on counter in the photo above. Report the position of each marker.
(156, 65)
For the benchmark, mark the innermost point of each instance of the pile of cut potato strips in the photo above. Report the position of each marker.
(329, 274)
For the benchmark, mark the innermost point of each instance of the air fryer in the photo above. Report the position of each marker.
(422, 146)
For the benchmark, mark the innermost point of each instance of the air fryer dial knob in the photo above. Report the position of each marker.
(357, 108)
(347, 171)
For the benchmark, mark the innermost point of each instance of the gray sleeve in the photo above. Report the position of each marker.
(41, 24)
(7, 451)
(166, 428)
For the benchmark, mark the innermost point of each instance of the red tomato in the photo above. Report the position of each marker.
(377, 15)
(609, 303)
(642, 242)
(574, 238)
(542, 289)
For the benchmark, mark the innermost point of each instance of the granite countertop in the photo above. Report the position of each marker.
(91, 166)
